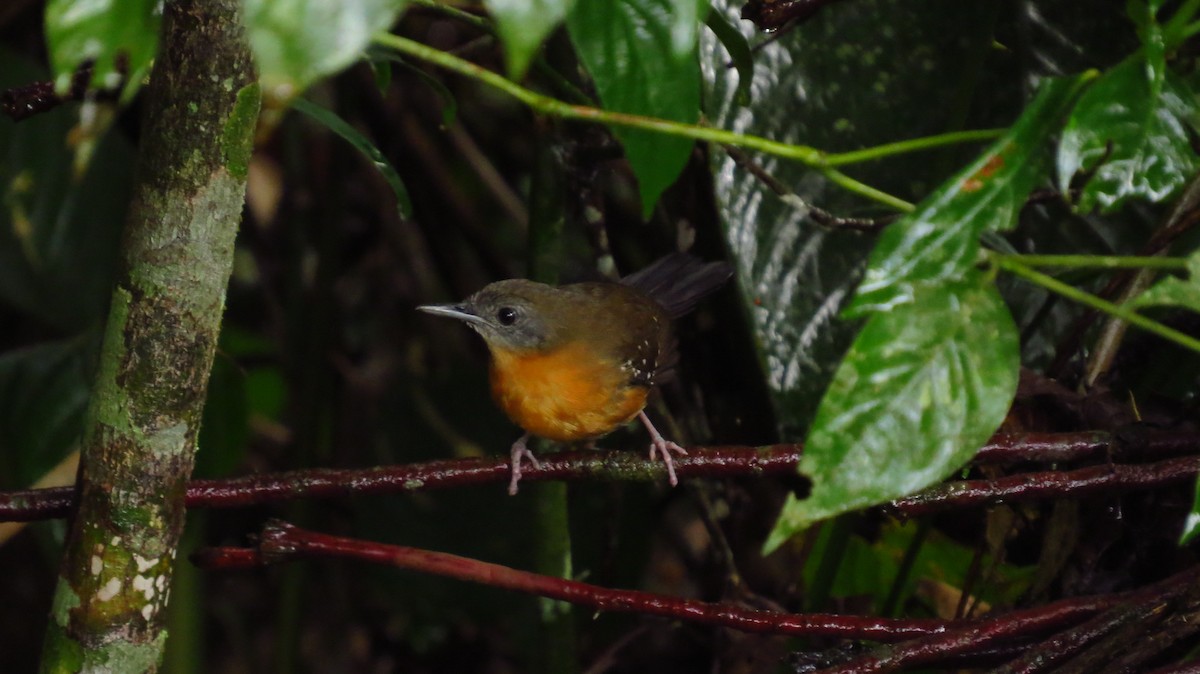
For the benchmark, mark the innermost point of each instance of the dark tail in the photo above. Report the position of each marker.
(678, 281)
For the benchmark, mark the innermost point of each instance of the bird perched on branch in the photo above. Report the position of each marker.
(575, 362)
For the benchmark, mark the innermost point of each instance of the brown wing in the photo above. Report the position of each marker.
(634, 330)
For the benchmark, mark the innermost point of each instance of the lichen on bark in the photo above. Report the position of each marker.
(159, 343)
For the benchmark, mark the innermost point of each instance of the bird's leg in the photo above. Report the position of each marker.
(662, 447)
(520, 451)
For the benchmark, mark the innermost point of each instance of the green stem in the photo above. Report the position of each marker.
(456, 13)
(550, 106)
(1190, 30)
(1179, 28)
(1099, 261)
(912, 145)
(831, 561)
(557, 108)
(891, 605)
(851, 185)
(1087, 299)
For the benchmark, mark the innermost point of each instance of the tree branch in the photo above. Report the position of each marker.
(1108, 478)
(282, 542)
(711, 462)
(161, 334)
(984, 634)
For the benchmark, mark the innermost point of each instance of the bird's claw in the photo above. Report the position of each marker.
(664, 448)
(519, 452)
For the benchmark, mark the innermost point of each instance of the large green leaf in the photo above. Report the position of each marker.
(296, 42)
(523, 25)
(922, 388)
(845, 81)
(107, 32)
(940, 240)
(632, 50)
(1130, 129)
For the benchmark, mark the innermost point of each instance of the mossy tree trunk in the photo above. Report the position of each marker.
(202, 103)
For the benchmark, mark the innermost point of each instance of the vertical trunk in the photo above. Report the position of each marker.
(202, 103)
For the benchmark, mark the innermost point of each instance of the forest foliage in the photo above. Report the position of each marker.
(926, 215)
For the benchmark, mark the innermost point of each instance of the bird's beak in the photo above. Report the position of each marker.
(461, 312)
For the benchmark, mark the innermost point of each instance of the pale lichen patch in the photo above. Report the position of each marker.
(110, 589)
(145, 585)
(97, 565)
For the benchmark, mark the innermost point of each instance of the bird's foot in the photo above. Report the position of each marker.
(663, 448)
(520, 451)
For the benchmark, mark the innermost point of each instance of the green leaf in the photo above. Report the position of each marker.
(939, 241)
(869, 568)
(523, 25)
(1174, 291)
(843, 82)
(687, 16)
(449, 101)
(106, 32)
(60, 231)
(43, 394)
(1131, 130)
(296, 42)
(336, 124)
(629, 47)
(922, 388)
(739, 52)
(1191, 526)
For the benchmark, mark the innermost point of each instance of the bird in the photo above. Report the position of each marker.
(575, 362)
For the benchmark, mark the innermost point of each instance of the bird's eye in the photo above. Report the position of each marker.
(506, 315)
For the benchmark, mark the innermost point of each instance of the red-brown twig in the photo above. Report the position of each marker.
(38, 504)
(1109, 478)
(282, 542)
(971, 637)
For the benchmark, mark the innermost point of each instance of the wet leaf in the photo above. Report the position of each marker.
(631, 49)
(1172, 291)
(523, 25)
(1131, 131)
(119, 36)
(940, 240)
(841, 82)
(739, 52)
(297, 42)
(923, 387)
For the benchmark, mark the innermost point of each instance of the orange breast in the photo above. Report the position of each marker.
(563, 395)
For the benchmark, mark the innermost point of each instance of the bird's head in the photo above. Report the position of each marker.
(513, 315)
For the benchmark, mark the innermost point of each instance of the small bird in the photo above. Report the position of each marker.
(575, 362)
